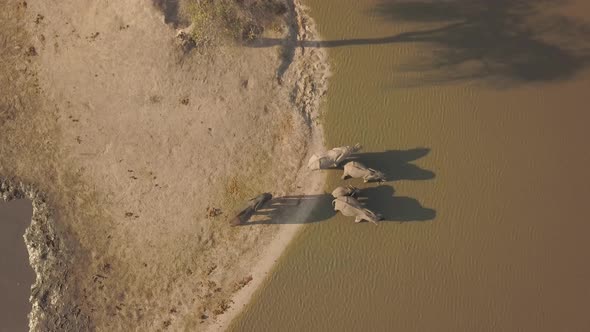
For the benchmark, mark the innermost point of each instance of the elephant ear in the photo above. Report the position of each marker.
(334, 203)
(313, 162)
(262, 200)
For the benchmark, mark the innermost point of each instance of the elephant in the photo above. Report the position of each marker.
(252, 206)
(345, 191)
(350, 207)
(332, 158)
(354, 169)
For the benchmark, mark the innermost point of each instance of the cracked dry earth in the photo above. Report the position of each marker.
(126, 144)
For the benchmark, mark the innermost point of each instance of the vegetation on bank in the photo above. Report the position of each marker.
(238, 20)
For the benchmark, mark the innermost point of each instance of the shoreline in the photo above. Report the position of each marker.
(314, 180)
(48, 256)
(272, 253)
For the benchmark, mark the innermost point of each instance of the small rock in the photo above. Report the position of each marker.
(211, 269)
(213, 212)
(92, 36)
(31, 51)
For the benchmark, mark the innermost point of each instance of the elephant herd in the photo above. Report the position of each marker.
(345, 197)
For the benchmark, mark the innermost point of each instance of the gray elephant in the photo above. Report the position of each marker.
(346, 191)
(252, 206)
(332, 158)
(350, 207)
(354, 169)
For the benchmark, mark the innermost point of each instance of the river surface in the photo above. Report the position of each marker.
(16, 274)
(478, 112)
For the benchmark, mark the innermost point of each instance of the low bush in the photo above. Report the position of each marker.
(238, 20)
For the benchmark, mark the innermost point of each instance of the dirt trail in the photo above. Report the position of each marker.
(131, 140)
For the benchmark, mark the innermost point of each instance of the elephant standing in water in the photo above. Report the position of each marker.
(354, 169)
(350, 207)
(345, 191)
(332, 158)
(252, 206)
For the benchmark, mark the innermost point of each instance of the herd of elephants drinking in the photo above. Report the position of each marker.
(345, 197)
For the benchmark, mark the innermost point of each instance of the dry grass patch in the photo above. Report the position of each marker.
(238, 20)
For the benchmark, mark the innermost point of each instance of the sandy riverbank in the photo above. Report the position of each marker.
(131, 141)
(307, 62)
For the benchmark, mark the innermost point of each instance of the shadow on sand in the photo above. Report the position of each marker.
(284, 210)
(170, 8)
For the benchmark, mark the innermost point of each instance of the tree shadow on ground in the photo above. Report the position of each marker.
(170, 8)
(511, 41)
(396, 163)
(286, 210)
(381, 200)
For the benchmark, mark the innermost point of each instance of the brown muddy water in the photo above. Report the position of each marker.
(478, 112)
(16, 275)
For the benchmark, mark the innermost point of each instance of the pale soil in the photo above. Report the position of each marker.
(131, 140)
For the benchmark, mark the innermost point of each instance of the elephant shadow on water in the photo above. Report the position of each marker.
(396, 163)
(381, 199)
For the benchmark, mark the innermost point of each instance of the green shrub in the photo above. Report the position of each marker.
(238, 20)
